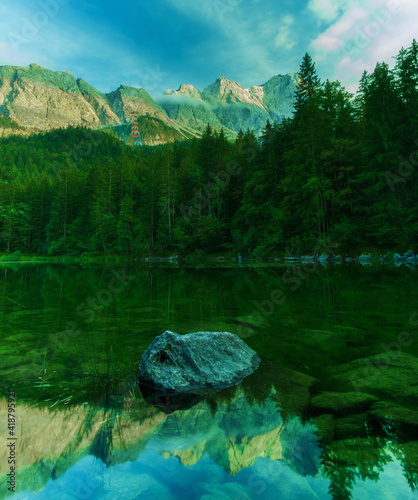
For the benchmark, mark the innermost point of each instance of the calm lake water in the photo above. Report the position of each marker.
(330, 414)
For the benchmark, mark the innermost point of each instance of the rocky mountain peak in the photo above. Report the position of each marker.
(186, 90)
(128, 102)
(37, 99)
(226, 91)
(279, 94)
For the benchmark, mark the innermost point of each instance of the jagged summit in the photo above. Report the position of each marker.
(34, 73)
(227, 104)
(186, 90)
(39, 99)
(227, 91)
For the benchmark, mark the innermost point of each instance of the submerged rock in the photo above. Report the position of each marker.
(392, 376)
(201, 360)
(342, 402)
(292, 389)
(352, 427)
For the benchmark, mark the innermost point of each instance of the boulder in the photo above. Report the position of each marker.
(195, 361)
(342, 402)
(390, 376)
(352, 427)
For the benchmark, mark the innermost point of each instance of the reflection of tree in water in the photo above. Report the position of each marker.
(344, 462)
(342, 481)
(407, 454)
(101, 446)
(111, 396)
(52, 294)
(69, 454)
(354, 459)
(102, 443)
(411, 475)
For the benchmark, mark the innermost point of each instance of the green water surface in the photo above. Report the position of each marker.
(71, 338)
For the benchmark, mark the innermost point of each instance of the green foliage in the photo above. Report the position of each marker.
(148, 128)
(341, 168)
(13, 257)
(8, 123)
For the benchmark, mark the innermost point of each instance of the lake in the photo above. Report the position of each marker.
(332, 412)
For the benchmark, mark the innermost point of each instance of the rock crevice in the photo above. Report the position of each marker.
(194, 361)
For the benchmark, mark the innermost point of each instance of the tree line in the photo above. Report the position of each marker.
(341, 169)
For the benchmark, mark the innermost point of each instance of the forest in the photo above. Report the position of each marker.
(341, 169)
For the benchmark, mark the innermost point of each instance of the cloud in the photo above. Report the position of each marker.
(218, 11)
(363, 35)
(325, 10)
(244, 41)
(334, 37)
(159, 46)
(100, 53)
(285, 38)
(7, 53)
(163, 44)
(177, 100)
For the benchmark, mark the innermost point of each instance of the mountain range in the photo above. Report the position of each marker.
(35, 99)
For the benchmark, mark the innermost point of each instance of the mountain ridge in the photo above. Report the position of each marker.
(38, 99)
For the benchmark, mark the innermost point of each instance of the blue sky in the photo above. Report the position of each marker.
(162, 44)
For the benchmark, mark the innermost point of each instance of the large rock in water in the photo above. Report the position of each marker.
(202, 360)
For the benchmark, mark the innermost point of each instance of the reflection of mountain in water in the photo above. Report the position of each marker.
(249, 441)
(227, 429)
(236, 434)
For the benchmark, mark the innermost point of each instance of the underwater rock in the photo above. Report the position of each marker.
(365, 256)
(292, 389)
(392, 376)
(352, 427)
(342, 402)
(201, 360)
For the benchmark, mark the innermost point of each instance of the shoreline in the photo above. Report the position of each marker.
(390, 258)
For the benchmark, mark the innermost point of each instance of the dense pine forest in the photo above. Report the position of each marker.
(342, 169)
